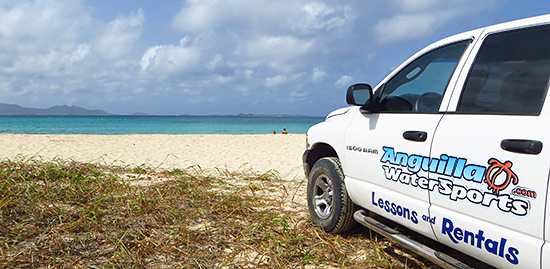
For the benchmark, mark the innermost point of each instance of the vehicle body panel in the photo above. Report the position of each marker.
(460, 185)
(513, 215)
(371, 136)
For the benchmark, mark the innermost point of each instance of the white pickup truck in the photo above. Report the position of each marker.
(450, 145)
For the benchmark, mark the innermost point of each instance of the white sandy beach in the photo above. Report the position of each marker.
(261, 153)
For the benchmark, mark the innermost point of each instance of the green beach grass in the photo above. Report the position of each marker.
(65, 214)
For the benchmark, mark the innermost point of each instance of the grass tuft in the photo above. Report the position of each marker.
(69, 214)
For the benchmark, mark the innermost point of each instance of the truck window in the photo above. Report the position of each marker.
(420, 86)
(510, 74)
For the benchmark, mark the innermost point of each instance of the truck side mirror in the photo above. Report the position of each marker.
(359, 95)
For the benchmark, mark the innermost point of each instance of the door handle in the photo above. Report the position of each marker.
(415, 136)
(522, 146)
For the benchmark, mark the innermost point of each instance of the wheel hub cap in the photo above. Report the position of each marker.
(323, 197)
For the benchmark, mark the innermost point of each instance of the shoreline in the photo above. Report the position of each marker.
(257, 152)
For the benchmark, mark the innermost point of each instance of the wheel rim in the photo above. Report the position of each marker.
(323, 196)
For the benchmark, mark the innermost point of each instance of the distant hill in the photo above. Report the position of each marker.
(16, 110)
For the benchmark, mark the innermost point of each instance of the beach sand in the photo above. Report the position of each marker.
(259, 153)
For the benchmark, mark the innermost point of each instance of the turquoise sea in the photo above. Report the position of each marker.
(154, 124)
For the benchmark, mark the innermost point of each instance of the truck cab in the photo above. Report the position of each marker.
(451, 144)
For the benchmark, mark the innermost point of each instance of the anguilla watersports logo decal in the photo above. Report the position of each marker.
(495, 170)
(404, 168)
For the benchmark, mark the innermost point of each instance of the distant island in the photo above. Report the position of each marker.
(16, 110)
(64, 110)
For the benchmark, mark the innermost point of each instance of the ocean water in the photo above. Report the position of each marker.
(154, 124)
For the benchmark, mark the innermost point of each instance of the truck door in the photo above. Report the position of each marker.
(384, 149)
(490, 156)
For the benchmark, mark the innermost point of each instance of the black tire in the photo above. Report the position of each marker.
(327, 198)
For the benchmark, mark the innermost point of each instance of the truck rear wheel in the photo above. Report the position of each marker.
(329, 204)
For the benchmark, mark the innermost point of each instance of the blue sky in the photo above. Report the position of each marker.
(204, 57)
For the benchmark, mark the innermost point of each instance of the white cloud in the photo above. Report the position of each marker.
(299, 96)
(148, 57)
(320, 16)
(343, 81)
(119, 36)
(282, 53)
(40, 21)
(230, 50)
(405, 27)
(222, 79)
(275, 81)
(200, 15)
(80, 53)
(262, 43)
(416, 5)
(248, 74)
(318, 75)
(414, 19)
(217, 61)
(170, 59)
(207, 15)
(276, 17)
(38, 36)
